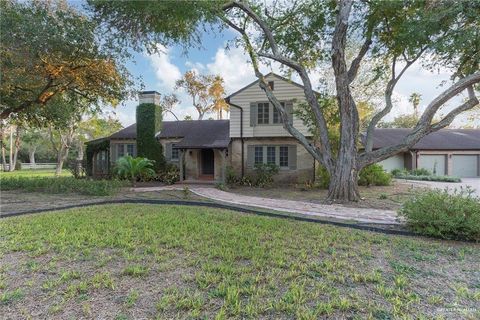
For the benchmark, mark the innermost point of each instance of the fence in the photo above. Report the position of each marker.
(34, 166)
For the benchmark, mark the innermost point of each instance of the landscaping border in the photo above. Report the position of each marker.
(220, 206)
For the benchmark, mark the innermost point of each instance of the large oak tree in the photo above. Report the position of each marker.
(303, 35)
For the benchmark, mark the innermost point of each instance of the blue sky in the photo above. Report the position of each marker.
(159, 72)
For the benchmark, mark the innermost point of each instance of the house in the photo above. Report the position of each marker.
(203, 149)
(454, 152)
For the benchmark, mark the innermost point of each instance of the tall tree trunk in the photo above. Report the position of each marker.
(4, 158)
(62, 155)
(16, 147)
(344, 180)
(11, 166)
(31, 155)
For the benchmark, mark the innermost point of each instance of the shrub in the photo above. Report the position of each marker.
(323, 177)
(76, 168)
(264, 174)
(440, 214)
(420, 172)
(431, 178)
(134, 169)
(374, 175)
(230, 177)
(170, 174)
(62, 185)
(399, 172)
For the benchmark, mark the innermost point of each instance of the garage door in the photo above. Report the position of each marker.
(465, 165)
(434, 163)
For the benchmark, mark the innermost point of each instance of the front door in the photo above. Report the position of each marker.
(207, 161)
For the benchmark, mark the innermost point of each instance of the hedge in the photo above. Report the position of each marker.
(149, 122)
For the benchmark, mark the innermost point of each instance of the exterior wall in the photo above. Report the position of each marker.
(284, 91)
(305, 162)
(395, 162)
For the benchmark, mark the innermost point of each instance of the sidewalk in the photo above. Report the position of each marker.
(363, 215)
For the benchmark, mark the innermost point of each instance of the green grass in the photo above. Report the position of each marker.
(33, 173)
(52, 184)
(187, 262)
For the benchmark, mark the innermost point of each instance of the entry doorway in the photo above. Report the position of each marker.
(208, 162)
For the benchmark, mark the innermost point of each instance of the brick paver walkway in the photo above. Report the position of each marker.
(363, 215)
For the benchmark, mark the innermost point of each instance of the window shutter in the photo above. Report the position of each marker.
(250, 156)
(289, 109)
(253, 114)
(134, 150)
(168, 151)
(292, 157)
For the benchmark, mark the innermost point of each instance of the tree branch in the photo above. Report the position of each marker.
(352, 72)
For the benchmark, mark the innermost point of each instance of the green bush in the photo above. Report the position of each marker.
(420, 172)
(264, 174)
(230, 177)
(170, 174)
(440, 214)
(134, 169)
(374, 175)
(62, 185)
(431, 178)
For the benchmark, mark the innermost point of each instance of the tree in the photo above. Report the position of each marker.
(50, 49)
(301, 35)
(403, 121)
(414, 99)
(206, 92)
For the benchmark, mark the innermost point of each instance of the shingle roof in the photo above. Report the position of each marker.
(445, 139)
(198, 133)
(195, 133)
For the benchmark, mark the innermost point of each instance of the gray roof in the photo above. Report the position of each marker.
(195, 133)
(445, 139)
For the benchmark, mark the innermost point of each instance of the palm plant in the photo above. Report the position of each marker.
(132, 168)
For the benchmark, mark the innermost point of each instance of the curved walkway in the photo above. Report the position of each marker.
(339, 212)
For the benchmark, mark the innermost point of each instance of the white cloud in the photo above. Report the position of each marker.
(165, 71)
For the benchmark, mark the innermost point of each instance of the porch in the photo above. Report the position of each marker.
(202, 165)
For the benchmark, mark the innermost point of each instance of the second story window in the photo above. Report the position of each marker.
(263, 113)
(276, 114)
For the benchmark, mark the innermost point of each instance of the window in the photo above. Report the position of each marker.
(271, 155)
(120, 151)
(263, 113)
(283, 156)
(175, 152)
(258, 154)
(276, 114)
(271, 84)
(130, 150)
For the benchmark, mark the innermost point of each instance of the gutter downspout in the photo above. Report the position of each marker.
(227, 100)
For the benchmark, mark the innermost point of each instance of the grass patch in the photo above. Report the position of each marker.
(430, 178)
(188, 262)
(61, 185)
(34, 173)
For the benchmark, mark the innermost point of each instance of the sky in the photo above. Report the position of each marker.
(160, 71)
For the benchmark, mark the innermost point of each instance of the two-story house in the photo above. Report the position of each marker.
(203, 149)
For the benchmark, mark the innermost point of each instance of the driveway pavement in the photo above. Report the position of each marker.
(473, 183)
(363, 215)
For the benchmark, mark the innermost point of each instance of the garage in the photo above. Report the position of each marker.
(395, 162)
(435, 163)
(465, 165)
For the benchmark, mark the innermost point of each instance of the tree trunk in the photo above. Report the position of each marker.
(17, 147)
(11, 167)
(61, 157)
(31, 155)
(344, 180)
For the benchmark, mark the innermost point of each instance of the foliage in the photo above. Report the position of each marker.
(61, 185)
(170, 174)
(133, 169)
(207, 92)
(403, 121)
(264, 173)
(430, 178)
(231, 177)
(149, 122)
(374, 175)
(441, 214)
(50, 49)
(76, 168)
(221, 186)
(92, 148)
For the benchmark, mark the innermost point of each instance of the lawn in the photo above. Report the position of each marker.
(149, 261)
(33, 173)
(378, 197)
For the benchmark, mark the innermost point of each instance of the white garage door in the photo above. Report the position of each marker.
(395, 162)
(465, 165)
(434, 163)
